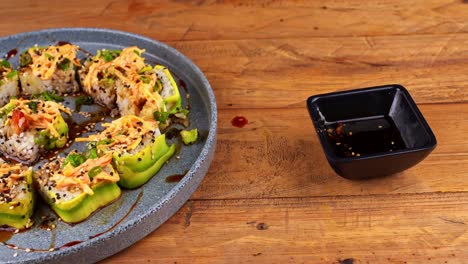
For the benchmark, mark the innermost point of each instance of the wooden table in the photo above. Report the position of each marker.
(270, 195)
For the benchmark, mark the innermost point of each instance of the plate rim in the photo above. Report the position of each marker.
(206, 153)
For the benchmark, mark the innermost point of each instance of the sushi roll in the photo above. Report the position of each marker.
(98, 77)
(122, 79)
(139, 96)
(138, 148)
(17, 197)
(29, 127)
(109, 69)
(168, 89)
(8, 82)
(50, 68)
(78, 185)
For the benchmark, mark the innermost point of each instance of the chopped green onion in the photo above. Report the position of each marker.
(64, 64)
(5, 64)
(122, 132)
(157, 86)
(161, 116)
(50, 57)
(94, 171)
(92, 153)
(83, 100)
(105, 141)
(75, 160)
(136, 52)
(145, 69)
(12, 74)
(108, 82)
(33, 106)
(145, 79)
(108, 55)
(25, 59)
(48, 96)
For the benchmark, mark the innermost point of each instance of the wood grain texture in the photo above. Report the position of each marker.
(281, 73)
(270, 196)
(430, 64)
(422, 228)
(278, 155)
(236, 19)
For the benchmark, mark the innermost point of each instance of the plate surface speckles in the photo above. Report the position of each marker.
(158, 199)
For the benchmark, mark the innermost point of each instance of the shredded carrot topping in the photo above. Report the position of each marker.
(44, 60)
(126, 131)
(15, 176)
(42, 118)
(78, 177)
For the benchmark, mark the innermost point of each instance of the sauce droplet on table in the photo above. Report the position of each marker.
(239, 121)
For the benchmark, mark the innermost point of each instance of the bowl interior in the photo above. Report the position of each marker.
(369, 122)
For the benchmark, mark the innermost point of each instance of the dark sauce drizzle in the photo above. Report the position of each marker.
(72, 243)
(6, 234)
(61, 43)
(76, 130)
(11, 54)
(176, 177)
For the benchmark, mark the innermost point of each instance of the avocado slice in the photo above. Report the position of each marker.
(83, 205)
(49, 142)
(17, 212)
(137, 169)
(189, 136)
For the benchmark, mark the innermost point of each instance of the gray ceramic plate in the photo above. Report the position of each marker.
(137, 212)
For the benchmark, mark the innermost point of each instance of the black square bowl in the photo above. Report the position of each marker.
(371, 132)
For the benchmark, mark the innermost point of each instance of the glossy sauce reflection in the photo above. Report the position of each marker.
(239, 121)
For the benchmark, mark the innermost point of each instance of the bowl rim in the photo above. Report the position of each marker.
(331, 156)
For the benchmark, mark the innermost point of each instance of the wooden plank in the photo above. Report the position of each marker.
(278, 155)
(235, 19)
(285, 72)
(282, 72)
(411, 228)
